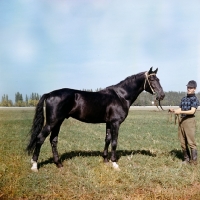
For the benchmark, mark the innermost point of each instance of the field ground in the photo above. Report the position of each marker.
(149, 157)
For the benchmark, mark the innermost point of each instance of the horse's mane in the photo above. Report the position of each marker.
(126, 81)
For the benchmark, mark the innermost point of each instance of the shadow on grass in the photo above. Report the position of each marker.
(176, 153)
(72, 154)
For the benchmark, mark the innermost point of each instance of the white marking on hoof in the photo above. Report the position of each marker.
(34, 166)
(115, 165)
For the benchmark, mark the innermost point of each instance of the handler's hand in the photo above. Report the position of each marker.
(178, 111)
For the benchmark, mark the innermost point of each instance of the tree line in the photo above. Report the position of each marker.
(20, 101)
(144, 99)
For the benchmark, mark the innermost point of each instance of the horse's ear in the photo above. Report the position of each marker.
(156, 71)
(150, 71)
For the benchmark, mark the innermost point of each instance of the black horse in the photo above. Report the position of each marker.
(110, 106)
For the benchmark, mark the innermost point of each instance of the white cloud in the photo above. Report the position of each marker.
(24, 50)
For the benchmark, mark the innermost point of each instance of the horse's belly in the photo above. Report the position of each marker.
(89, 115)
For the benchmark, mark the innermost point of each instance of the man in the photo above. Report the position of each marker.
(187, 125)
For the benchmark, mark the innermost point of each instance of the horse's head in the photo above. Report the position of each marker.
(152, 84)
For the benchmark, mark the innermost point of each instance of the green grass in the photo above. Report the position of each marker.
(149, 158)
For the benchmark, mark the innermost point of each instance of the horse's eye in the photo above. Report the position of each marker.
(152, 79)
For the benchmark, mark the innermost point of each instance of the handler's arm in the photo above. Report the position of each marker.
(187, 112)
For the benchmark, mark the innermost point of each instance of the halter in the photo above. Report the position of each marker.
(147, 80)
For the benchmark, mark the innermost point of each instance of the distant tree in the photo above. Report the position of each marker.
(18, 97)
(26, 100)
(32, 102)
(34, 98)
(19, 100)
(98, 89)
(87, 90)
(5, 101)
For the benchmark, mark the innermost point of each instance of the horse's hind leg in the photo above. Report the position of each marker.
(107, 143)
(54, 142)
(40, 140)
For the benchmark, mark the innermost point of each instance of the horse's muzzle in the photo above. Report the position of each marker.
(160, 97)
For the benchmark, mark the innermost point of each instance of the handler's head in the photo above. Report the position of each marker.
(191, 86)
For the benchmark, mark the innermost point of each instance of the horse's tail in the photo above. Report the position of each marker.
(38, 122)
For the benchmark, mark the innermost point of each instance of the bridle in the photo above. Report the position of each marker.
(147, 80)
(153, 91)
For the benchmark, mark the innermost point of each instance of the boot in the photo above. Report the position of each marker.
(186, 155)
(193, 156)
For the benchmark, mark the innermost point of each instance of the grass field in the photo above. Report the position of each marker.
(148, 151)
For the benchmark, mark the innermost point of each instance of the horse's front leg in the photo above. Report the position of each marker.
(54, 142)
(39, 141)
(114, 138)
(107, 143)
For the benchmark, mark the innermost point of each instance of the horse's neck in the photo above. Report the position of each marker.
(131, 90)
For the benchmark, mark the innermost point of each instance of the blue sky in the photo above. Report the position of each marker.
(86, 44)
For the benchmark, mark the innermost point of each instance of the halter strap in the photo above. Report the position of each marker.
(147, 80)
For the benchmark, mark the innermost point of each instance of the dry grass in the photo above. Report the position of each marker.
(149, 159)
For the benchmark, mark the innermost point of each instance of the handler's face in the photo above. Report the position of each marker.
(191, 90)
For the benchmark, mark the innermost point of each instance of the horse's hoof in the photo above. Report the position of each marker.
(34, 166)
(34, 169)
(59, 165)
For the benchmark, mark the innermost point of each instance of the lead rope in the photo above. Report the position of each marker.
(177, 118)
(170, 116)
(156, 103)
